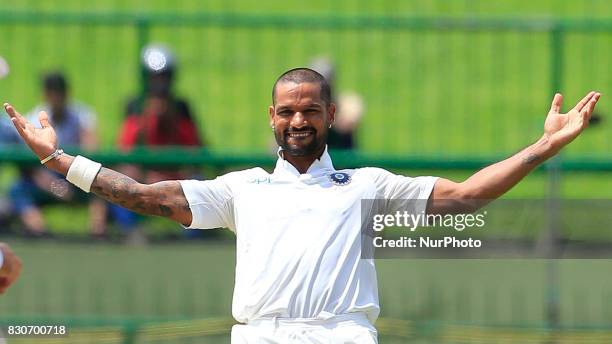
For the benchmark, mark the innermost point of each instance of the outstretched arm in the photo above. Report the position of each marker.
(162, 199)
(495, 180)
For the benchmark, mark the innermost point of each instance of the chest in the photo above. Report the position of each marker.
(298, 217)
(318, 198)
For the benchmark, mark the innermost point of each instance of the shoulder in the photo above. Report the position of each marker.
(384, 180)
(32, 115)
(80, 110)
(375, 173)
(81, 115)
(236, 177)
(182, 108)
(181, 104)
(377, 177)
(225, 184)
(380, 175)
(133, 106)
(245, 176)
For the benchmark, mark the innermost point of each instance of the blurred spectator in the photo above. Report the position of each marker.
(8, 136)
(349, 109)
(156, 118)
(75, 127)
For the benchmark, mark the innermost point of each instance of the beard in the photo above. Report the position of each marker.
(311, 148)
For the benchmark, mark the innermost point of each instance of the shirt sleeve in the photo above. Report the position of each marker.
(211, 203)
(396, 190)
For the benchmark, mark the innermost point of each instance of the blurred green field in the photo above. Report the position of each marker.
(427, 92)
(172, 282)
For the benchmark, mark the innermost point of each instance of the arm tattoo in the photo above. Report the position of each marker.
(162, 199)
(531, 159)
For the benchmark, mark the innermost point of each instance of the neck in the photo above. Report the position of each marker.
(302, 163)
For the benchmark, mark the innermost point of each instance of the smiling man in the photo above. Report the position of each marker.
(300, 114)
(300, 277)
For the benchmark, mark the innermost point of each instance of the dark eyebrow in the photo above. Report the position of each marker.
(282, 108)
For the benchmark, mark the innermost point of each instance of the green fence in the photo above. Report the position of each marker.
(182, 294)
(432, 86)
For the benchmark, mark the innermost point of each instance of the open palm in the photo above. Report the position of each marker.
(562, 128)
(42, 141)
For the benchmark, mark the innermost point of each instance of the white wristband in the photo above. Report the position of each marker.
(1, 259)
(82, 172)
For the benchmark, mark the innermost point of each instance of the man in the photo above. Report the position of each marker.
(10, 267)
(75, 127)
(157, 117)
(299, 275)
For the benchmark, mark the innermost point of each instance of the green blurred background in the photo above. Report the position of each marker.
(459, 81)
(429, 88)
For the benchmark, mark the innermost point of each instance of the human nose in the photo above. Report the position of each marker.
(298, 120)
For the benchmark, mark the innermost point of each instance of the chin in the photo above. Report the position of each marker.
(296, 151)
(301, 150)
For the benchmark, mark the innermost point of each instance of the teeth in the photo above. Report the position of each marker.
(299, 134)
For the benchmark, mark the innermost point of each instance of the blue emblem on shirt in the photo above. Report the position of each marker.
(340, 178)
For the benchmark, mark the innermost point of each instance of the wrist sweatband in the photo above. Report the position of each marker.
(1, 258)
(82, 172)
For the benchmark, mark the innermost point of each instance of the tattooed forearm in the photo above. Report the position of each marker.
(116, 188)
(531, 159)
(162, 199)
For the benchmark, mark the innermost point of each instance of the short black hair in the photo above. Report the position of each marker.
(301, 75)
(55, 81)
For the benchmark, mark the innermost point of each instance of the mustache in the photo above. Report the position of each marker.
(299, 130)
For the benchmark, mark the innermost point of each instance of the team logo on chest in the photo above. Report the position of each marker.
(340, 178)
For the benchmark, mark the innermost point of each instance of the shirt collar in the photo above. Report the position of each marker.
(319, 166)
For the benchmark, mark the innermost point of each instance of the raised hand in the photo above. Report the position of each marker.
(42, 141)
(562, 128)
(162, 199)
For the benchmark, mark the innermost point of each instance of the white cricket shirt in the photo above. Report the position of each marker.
(298, 236)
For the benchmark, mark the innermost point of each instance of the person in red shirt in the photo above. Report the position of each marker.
(156, 118)
(158, 122)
